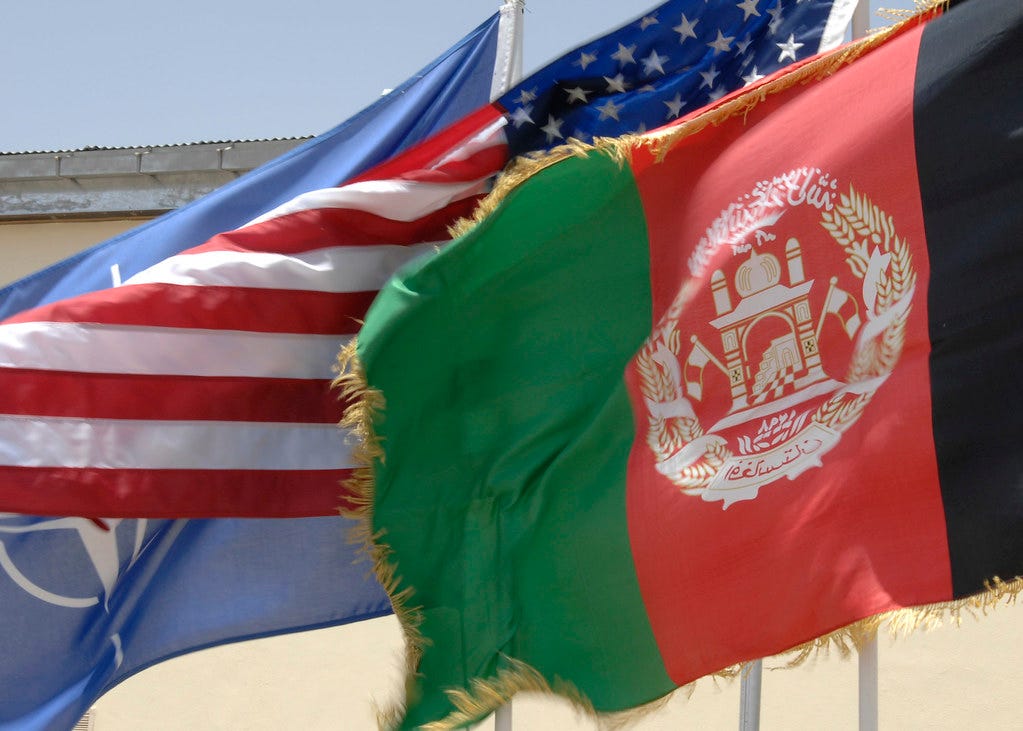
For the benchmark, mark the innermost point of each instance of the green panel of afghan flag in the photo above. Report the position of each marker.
(705, 395)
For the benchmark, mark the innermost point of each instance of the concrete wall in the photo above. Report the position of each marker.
(950, 678)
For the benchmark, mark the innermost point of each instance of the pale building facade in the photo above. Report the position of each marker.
(950, 678)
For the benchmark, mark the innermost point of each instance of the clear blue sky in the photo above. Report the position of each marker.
(138, 72)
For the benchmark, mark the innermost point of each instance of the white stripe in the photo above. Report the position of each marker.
(91, 348)
(127, 444)
(492, 135)
(398, 200)
(838, 21)
(403, 200)
(334, 269)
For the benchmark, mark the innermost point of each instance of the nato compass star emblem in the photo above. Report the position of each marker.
(98, 542)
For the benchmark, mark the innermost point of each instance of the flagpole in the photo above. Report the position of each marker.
(507, 72)
(868, 670)
(503, 718)
(861, 19)
(508, 63)
(749, 695)
(868, 684)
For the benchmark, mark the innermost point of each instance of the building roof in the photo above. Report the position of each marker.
(112, 182)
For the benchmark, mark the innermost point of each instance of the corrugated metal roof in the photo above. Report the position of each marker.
(92, 148)
(105, 181)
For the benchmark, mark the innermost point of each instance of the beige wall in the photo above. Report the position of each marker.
(946, 679)
(950, 678)
(28, 247)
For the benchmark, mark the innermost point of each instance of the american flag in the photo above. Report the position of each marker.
(200, 387)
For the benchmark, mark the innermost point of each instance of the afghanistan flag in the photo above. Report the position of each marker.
(706, 395)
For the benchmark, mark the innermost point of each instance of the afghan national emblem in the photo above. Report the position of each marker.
(766, 357)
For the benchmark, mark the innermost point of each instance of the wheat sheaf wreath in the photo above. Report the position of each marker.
(867, 235)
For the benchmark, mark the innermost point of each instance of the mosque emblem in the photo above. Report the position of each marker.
(743, 396)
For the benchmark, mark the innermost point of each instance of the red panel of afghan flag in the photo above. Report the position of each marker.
(647, 421)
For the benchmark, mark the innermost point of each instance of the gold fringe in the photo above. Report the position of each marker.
(483, 697)
(903, 622)
(519, 170)
(660, 142)
(486, 696)
(365, 403)
(899, 14)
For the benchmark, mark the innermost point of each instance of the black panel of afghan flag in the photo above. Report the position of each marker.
(968, 118)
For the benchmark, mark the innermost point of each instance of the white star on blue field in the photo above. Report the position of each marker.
(117, 73)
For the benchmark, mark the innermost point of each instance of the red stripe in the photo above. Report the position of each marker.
(212, 308)
(323, 227)
(172, 493)
(480, 164)
(426, 154)
(168, 398)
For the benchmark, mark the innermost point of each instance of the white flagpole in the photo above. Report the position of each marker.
(749, 695)
(503, 718)
(508, 64)
(752, 676)
(868, 685)
(868, 671)
(861, 19)
(507, 72)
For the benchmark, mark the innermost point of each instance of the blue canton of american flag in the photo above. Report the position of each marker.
(674, 59)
